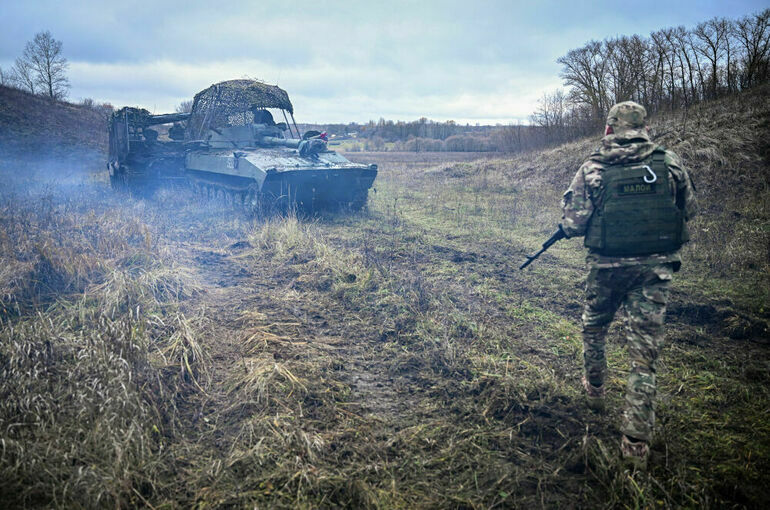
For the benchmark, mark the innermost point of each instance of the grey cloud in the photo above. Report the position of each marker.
(398, 58)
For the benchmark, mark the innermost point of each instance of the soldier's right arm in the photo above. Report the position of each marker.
(577, 204)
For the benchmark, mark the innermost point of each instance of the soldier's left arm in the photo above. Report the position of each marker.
(685, 190)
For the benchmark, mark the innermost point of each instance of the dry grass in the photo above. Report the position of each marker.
(90, 323)
(179, 354)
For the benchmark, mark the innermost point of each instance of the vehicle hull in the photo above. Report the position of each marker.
(280, 176)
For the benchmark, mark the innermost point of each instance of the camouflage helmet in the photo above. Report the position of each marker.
(626, 115)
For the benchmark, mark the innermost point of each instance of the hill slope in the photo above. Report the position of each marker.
(32, 125)
(723, 142)
(724, 145)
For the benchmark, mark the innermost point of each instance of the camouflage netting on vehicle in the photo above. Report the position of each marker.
(228, 103)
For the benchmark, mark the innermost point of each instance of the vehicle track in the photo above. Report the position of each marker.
(231, 291)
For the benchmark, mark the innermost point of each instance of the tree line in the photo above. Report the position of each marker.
(672, 68)
(513, 138)
(422, 135)
(392, 131)
(456, 143)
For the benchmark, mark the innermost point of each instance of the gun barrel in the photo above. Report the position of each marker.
(291, 143)
(556, 236)
(530, 258)
(167, 118)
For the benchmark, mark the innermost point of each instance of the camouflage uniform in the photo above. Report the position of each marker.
(639, 284)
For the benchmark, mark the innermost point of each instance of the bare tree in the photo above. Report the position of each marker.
(550, 115)
(44, 56)
(5, 78)
(727, 27)
(185, 106)
(702, 82)
(664, 50)
(753, 35)
(626, 68)
(683, 52)
(23, 76)
(711, 36)
(584, 70)
(677, 61)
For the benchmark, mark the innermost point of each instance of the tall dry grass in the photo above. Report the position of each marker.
(90, 326)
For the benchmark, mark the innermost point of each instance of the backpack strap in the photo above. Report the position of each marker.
(659, 166)
(659, 157)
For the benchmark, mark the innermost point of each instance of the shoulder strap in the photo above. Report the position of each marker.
(659, 158)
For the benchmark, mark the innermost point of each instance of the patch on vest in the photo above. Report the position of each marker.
(641, 188)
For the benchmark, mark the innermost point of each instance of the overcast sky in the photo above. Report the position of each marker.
(470, 61)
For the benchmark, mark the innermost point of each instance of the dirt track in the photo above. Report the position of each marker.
(231, 289)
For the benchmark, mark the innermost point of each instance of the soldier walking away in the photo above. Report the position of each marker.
(630, 200)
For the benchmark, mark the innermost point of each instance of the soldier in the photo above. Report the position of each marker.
(631, 200)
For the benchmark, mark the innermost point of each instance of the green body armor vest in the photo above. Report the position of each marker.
(637, 214)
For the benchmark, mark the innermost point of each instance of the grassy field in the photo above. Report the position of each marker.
(177, 353)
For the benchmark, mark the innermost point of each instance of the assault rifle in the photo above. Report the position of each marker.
(556, 236)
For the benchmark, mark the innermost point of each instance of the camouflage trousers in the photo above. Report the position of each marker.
(642, 291)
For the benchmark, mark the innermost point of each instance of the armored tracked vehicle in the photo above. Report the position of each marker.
(230, 143)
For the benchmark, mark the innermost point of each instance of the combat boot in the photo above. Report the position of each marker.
(635, 453)
(594, 395)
